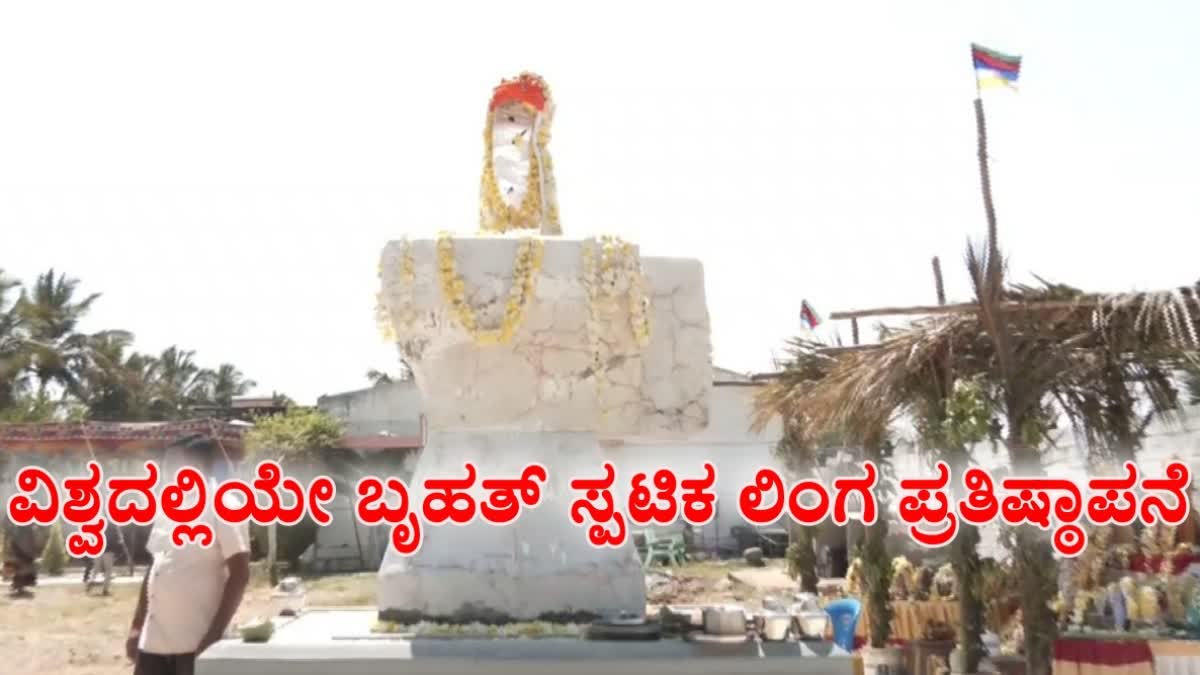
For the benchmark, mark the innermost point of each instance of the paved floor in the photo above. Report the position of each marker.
(340, 641)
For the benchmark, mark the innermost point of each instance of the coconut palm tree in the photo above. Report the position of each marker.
(116, 381)
(227, 383)
(50, 312)
(177, 384)
(1191, 378)
(13, 352)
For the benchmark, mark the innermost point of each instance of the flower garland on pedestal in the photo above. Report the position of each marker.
(405, 314)
(526, 269)
(600, 282)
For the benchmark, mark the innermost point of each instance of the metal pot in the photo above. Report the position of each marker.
(775, 626)
(812, 624)
(727, 620)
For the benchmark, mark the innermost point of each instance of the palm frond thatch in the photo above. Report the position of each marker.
(1074, 345)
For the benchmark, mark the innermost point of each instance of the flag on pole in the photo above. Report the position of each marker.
(994, 69)
(808, 316)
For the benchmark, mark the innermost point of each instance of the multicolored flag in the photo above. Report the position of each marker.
(994, 69)
(808, 316)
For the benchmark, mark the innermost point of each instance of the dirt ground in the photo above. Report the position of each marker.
(66, 631)
(709, 582)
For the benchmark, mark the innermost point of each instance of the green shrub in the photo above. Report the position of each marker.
(54, 556)
(802, 560)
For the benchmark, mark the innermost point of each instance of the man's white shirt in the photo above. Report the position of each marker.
(186, 584)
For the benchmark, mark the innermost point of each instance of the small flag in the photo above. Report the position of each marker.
(993, 69)
(808, 316)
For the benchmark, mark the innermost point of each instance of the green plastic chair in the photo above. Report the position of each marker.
(669, 550)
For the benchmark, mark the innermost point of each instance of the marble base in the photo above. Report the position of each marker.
(339, 641)
(540, 566)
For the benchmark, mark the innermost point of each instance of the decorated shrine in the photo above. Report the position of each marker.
(528, 346)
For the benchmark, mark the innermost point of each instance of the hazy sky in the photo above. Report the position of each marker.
(227, 172)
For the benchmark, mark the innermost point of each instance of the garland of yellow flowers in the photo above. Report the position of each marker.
(384, 318)
(600, 283)
(639, 303)
(526, 268)
(527, 215)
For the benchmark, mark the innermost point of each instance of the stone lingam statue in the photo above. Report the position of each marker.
(530, 348)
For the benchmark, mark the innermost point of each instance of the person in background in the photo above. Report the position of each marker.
(190, 593)
(88, 565)
(22, 546)
(114, 540)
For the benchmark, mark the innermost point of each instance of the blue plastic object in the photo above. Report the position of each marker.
(843, 615)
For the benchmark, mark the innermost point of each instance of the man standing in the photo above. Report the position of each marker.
(190, 593)
(113, 540)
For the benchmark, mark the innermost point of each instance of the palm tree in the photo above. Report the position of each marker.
(177, 384)
(13, 352)
(1191, 379)
(50, 314)
(116, 383)
(225, 384)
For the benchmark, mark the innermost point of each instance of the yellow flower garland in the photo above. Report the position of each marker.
(600, 282)
(526, 267)
(406, 313)
(528, 215)
(524, 217)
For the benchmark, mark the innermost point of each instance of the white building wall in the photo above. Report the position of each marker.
(735, 452)
(392, 407)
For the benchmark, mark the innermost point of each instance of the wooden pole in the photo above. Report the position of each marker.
(854, 330)
(985, 181)
(1083, 302)
(937, 280)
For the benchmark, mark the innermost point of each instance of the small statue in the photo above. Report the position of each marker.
(1149, 607)
(518, 191)
(854, 578)
(925, 583)
(945, 582)
(903, 584)
(1116, 601)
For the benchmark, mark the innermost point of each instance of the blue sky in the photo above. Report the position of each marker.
(227, 173)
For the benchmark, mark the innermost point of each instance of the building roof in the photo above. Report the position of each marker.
(726, 375)
(115, 437)
(259, 402)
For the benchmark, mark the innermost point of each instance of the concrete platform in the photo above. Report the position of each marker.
(340, 642)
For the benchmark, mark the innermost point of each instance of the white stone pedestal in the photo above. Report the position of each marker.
(573, 370)
(541, 565)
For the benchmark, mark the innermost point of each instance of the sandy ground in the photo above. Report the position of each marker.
(64, 630)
